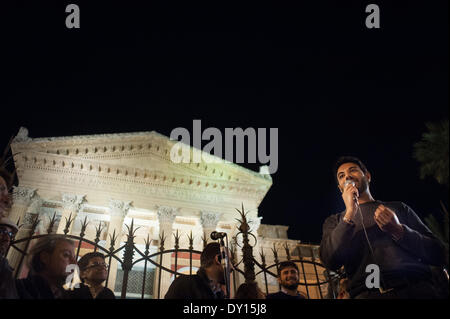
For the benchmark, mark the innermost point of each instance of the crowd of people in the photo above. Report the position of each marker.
(369, 232)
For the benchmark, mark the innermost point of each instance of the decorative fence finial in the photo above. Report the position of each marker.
(247, 249)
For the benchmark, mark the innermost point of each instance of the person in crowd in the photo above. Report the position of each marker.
(288, 278)
(7, 284)
(93, 273)
(384, 247)
(207, 283)
(8, 230)
(49, 262)
(6, 180)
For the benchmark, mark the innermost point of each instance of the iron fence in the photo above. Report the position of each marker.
(127, 255)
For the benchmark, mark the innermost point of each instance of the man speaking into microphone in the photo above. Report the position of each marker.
(384, 247)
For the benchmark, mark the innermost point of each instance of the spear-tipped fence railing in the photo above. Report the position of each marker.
(127, 255)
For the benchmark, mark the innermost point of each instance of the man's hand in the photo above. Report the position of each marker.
(348, 196)
(388, 221)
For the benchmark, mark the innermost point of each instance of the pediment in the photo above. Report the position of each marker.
(144, 151)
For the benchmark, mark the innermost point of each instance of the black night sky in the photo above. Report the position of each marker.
(311, 69)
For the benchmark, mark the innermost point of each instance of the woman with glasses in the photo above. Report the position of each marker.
(93, 273)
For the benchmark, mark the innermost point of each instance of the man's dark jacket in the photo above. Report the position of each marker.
(192, 287)
(34, 287)
(282, 295)
(7, 283)
(83, 292)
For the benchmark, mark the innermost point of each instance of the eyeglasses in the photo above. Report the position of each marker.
(7, 232)
(105, 265)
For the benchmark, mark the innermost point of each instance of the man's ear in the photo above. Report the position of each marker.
(218, 259)
(369, 176)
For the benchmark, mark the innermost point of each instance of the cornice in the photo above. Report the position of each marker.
(23, 138)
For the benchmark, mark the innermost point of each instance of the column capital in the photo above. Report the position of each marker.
(36, 203)
(73, 202)
(119, 207)
(23, 195)
(210, 219)
(166, 214)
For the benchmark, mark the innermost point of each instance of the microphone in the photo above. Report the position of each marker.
(217, 235)
(347, 182)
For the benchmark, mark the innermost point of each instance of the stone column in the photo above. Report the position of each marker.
(22, 198)
(34, 211)
(71, 205)
(166, 217)
(118, 210)
(209, 222)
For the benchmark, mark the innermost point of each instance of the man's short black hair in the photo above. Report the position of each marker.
(285, 264)
(209, 253)
(84, 261)
(348, 159)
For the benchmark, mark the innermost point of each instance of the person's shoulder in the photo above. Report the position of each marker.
(185, 279)
(181, 287)
(80, 292)
(282, 295)
(391, 203)
(106, 289)
(29, 280)
(36, 282)
(271, 296)
(6, 272)
(108, 293)
(27, 287)
(4, 265)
